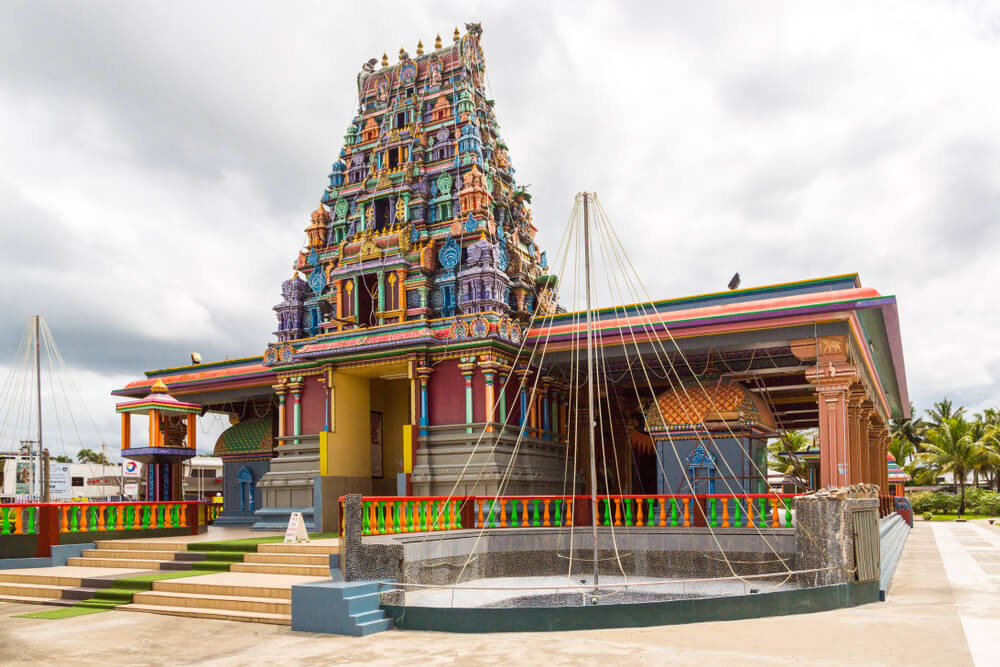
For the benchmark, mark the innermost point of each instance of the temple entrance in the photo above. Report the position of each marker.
(246, 483)
(368, 300)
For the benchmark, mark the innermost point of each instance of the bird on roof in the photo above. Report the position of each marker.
(734, 282)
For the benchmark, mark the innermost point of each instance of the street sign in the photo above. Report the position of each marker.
(132, 489)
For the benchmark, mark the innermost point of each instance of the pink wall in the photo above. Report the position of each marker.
(313, 406)
(446, 394)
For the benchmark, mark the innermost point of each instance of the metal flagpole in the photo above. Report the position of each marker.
(590, 384)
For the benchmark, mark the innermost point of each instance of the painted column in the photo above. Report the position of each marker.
(854, 400)
(833, 376)
(425, 374)
(192, 432)
(126, 430)
(296, 410)
(467, 368)
(502, 403)
(523, 375)
(400, 279)
(357, 307)
(546, 424)
(280, 390)
(339, 303)
(381, 296)
(489, 373)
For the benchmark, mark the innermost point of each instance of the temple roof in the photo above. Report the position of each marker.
(693, 407)
(247, 438)
(159, 399)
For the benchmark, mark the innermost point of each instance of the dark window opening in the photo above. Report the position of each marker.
(400, 119)
(76, 481)
(409, 92)
(393, 158)
(368, 300)
(381, 214)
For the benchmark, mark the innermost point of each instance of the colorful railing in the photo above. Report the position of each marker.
(98, 517)
(19, 519)
(381, 515)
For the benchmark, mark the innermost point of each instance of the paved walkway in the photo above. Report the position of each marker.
(937, 598)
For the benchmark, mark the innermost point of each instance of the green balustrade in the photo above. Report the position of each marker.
(628, 510)
(558, 519)
(712, 520)
(607, 511)
(650, 518)
(788, 512)
(513, 513)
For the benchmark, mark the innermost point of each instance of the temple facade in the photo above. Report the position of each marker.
(401, 363)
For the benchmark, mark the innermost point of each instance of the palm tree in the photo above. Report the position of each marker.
(950, 447)
(782, 458)
(907, 434)
(944, 409)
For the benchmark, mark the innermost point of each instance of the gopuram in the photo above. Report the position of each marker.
(402, 362)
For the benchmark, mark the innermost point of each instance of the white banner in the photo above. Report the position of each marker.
(132, 469)
(60, 481)
(132, 490)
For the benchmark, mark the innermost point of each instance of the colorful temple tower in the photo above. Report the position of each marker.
(172, 439)
(419, 273)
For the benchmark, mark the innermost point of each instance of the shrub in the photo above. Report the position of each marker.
(981, 501)
(928, 516)
(939, 503)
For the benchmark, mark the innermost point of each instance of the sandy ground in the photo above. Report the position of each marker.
(921, 623)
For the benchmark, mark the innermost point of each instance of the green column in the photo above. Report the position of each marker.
(381, 294)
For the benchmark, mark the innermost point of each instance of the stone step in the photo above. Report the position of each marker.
(141, 545)
(288, 558)
(130, 554)
(31, 590)
(234, 585)
(202, 601)
(120, 562)
(220, 614)
(278, 568)
(24, 599)
(319, 547)
(45, 579)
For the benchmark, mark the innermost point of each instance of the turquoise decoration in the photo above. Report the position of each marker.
(502, 259)
(317, 281)
(313, 258)
(450, 254)
(444, 183)
(414, 235)
(544, 261)
(471, 224)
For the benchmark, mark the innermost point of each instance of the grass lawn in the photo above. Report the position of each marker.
(952, 517)
(249, 543)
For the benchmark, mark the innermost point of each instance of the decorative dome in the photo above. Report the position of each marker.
(699, 407)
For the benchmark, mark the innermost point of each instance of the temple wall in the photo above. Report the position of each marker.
(446, 394)
(392, 399)
(730, 458)
(349, 442)
(313, 405)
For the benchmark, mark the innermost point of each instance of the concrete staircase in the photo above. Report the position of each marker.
(339, 607)
(309, 560)
(61, 586)
(892, 532)
(257, 590)
(152, 555)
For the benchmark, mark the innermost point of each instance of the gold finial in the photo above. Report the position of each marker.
(385, 60)
(437, 41)
(420, 48)
(456, 36)
(402, 52)
(158, 387)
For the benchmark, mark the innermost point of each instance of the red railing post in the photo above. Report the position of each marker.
(48, 529)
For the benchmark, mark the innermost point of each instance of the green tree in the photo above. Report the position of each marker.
(951, 447)
(907, 434)
(61, 459)
(781, 457)
(943, 410)
(90, 456)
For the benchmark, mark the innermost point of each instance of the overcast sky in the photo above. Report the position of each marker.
(158, 162)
